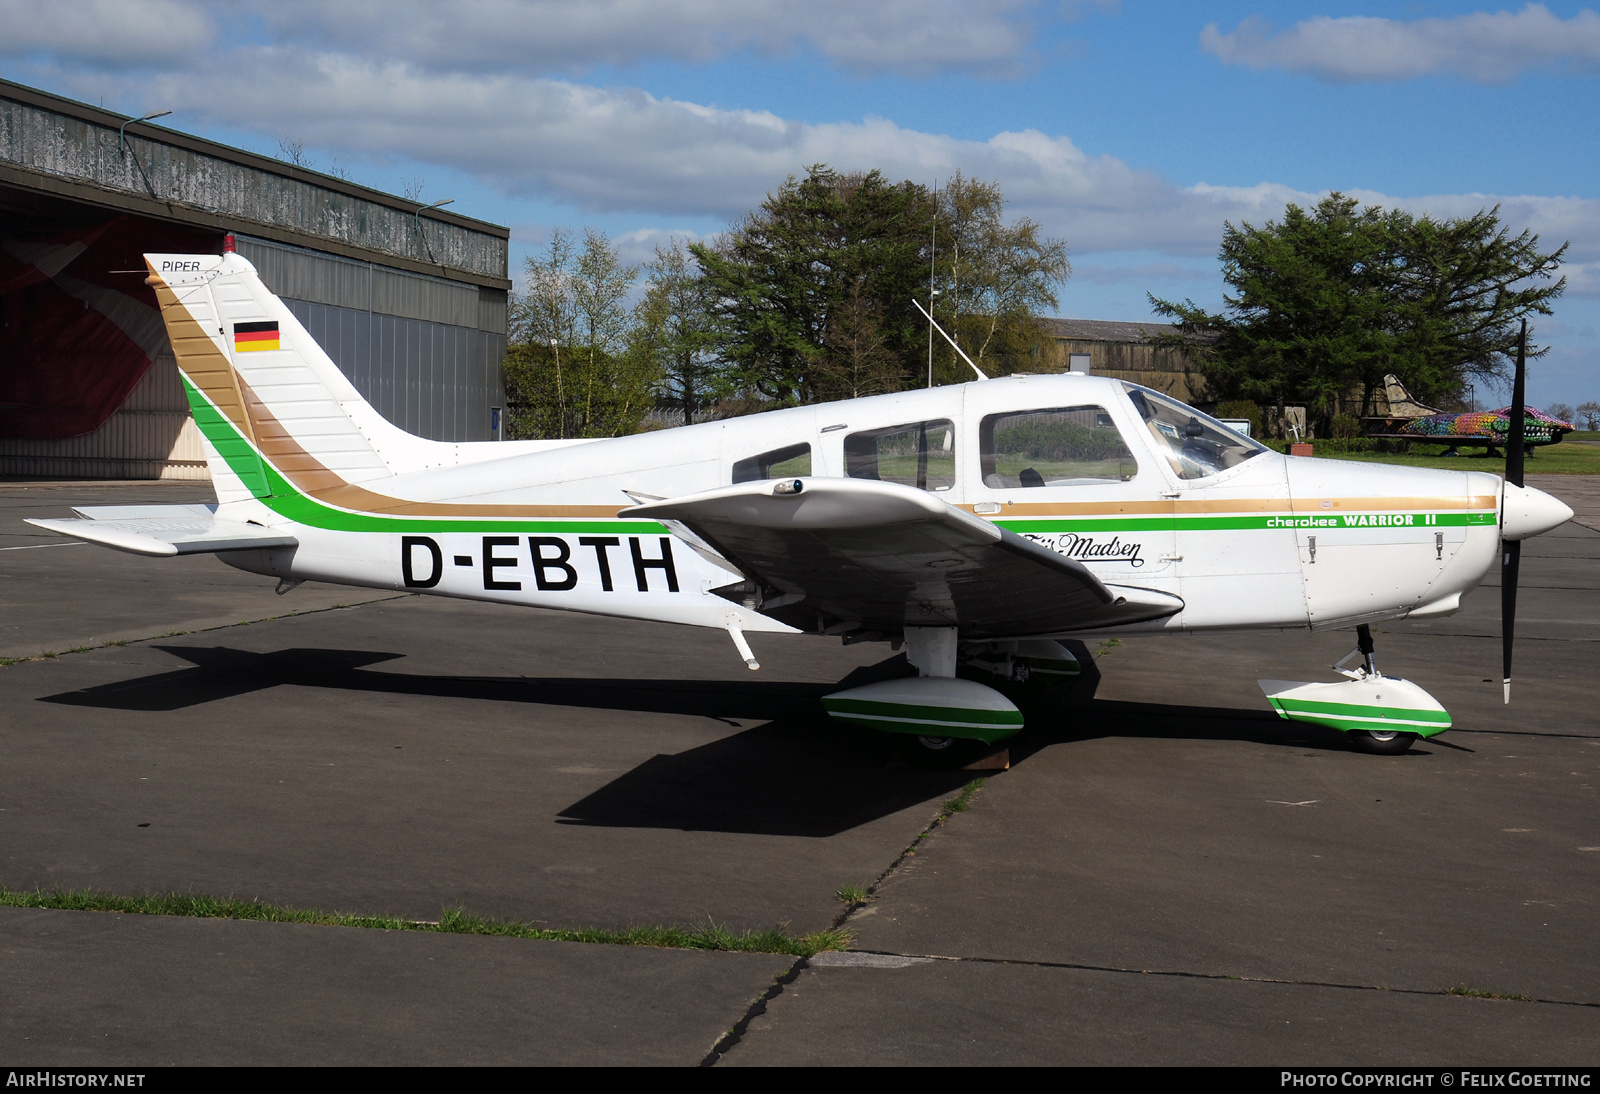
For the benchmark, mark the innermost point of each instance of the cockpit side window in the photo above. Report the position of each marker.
(1065, 446)
(780, 463)
(1195, 444)
(922, 454)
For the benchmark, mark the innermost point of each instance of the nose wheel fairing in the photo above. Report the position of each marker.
(1371, 704)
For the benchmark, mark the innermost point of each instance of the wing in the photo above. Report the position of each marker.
(858, 556)
(164, 530)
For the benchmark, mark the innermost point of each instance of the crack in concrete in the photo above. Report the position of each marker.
(729, 1040)
(1186, 974)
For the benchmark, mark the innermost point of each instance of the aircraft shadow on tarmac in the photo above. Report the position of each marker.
(797, 774)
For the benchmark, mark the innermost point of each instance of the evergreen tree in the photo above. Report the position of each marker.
(1327, 302)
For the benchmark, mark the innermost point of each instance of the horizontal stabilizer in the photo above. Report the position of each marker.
(164, 530)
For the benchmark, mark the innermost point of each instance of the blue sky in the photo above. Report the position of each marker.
(1132, 130)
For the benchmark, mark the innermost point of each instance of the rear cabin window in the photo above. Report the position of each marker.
(780, 463)
(922, 454)
(1065, 446)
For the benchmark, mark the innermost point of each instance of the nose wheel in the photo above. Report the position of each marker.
(1381, 742)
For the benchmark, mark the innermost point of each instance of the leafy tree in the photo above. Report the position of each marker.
(1326, 302)
(991, 276)
(786, 272)
(673, 333)
(567, 374)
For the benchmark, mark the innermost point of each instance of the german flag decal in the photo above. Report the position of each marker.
(254, 336)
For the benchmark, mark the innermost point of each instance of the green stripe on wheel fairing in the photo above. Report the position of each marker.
(983, 725)
(1356, 716)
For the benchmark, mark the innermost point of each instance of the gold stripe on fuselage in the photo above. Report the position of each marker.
(210, 370)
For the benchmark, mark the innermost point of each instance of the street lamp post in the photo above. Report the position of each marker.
(123, 130)
(417, 216)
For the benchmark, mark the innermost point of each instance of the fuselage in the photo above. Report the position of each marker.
(1135, 487)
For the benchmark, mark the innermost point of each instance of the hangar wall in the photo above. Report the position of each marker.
(411, 304)
(424, 351)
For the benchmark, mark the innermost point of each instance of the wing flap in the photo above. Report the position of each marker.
(855, 555)
(164, 530)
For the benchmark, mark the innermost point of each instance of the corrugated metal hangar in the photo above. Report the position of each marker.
(409, 302)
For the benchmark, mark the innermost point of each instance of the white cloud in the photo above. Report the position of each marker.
(1485, 47)
(109, 33)
(1583, 279)
(624, 150)
(906, 37)
(611, 150)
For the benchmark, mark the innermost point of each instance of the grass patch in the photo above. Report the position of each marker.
(1107, 646)
(7, 662)
(1479, 993)
(1554, 459)
(962, 801)
(453, 921)
(850, 894)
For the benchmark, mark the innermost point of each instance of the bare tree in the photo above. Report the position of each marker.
(859, 360)
(295, 152)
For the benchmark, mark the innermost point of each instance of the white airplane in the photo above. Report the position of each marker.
(982, 525)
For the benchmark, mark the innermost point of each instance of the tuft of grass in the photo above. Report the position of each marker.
(963, 800)
(712, 936)
(1479, 993)
(118, 642)
(850, 894)
(49, 655)
(1107, 646)
(80, 649)
(7, 662)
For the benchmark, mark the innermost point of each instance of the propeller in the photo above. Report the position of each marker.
(1511, 549)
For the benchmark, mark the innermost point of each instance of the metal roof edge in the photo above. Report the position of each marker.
(45, 100)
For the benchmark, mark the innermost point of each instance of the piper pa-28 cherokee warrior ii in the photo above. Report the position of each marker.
(983, 525)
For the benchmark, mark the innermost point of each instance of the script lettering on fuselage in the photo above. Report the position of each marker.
(1091, 548)
(547, 563)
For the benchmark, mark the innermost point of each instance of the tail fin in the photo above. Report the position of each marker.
(260, 386)
(1401, 404)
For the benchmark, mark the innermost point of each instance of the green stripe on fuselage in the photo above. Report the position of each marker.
(1274, 522)
(279, 495)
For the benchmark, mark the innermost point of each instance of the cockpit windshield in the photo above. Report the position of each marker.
(1195, 444)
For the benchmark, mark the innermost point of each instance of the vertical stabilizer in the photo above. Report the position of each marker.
(1401, 404)
(265, 395)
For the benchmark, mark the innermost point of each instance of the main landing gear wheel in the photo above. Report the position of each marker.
(942, 753)
(1382, 742)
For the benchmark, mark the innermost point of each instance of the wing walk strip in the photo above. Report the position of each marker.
(295, 484)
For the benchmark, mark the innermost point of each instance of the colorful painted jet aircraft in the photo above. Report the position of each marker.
(980, 524)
